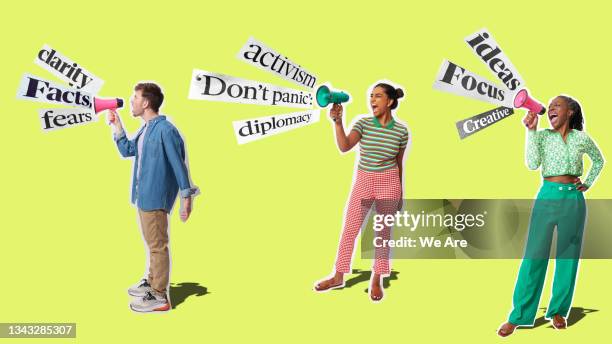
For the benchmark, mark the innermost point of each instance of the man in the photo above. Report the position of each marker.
(160, 173)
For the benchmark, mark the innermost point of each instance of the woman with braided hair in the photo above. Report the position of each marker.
(377, 181)
(559, 204)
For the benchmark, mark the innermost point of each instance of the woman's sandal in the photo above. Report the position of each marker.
(330, 286)
(374, 298)
(558, 322)
(506, 329)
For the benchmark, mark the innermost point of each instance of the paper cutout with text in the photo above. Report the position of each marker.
(53, 119)
(487, 50)
(259, 128)
(67, 70)
(458, 80)
(219, 87)
(472, 125)
(263, 57)
(36, 89)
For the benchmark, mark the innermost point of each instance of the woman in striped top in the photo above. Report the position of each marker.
(378, 181)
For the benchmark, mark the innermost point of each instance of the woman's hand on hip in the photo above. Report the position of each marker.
(579, 186)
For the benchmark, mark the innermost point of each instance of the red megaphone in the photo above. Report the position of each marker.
(522, 100)
(107, 104)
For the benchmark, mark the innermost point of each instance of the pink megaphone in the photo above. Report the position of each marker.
(522, 100)
(107, 104)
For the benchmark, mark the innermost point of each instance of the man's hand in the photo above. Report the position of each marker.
(185, 208)
(115, 120)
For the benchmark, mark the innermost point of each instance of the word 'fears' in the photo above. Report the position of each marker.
(52, 119)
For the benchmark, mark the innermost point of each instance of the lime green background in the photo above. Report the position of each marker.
(268, 221)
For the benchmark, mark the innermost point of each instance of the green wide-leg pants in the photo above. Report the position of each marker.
(558, 206)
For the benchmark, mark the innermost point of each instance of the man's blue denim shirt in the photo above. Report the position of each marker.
(162, 171)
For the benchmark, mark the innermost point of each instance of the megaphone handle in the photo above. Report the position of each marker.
(335, 119)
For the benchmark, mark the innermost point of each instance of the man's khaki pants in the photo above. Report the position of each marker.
(155, 230)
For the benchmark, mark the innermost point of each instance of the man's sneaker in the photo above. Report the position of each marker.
(151, 302)
(140, 289)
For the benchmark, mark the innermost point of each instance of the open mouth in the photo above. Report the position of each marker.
(552, 116)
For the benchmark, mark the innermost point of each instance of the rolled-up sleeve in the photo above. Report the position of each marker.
(126, 147)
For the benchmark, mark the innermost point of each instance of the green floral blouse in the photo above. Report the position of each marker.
(558, 157)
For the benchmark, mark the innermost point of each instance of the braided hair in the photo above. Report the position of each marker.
(576, 120)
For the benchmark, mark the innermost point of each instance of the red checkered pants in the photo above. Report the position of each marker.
(383, 189)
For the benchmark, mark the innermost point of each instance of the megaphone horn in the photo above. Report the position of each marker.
(101, 104)
(523, 100)
(325, 96)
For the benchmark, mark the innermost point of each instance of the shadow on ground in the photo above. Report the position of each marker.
(179, 292)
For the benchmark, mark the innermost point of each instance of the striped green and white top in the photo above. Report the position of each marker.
(379, 145)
